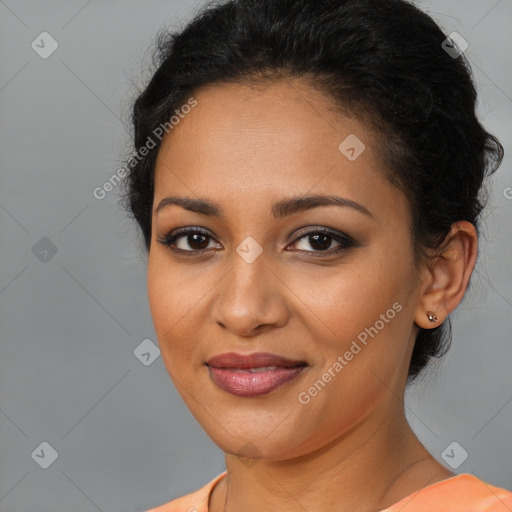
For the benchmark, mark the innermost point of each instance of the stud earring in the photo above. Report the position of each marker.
(431, 316)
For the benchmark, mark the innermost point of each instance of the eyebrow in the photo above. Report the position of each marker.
(282, 208)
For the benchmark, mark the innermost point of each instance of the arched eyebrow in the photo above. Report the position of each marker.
(280, 209)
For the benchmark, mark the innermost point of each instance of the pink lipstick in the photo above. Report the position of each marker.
(253, 374)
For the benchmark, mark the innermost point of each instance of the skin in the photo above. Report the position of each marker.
(350, 447)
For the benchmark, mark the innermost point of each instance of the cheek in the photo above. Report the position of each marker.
(171, 303)
(365, 308)
(362, 351)
(353, 297)
(161, 290)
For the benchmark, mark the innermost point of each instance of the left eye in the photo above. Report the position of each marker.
(319, 240)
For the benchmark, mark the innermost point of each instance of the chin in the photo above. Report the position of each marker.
(254, 442)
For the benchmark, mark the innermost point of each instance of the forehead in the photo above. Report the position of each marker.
(280, 137)
(282, 118)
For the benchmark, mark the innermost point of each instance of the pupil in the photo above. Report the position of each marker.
(324, 245)
(195, 242)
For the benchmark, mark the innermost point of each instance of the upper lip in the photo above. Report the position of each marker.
(256, 360)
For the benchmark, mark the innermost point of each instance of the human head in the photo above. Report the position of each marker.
(381, 61)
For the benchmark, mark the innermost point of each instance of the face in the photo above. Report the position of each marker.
(329, 290)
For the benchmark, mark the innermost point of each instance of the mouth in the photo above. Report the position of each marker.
(253, 374)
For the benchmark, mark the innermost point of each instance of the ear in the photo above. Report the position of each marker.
(447, 276)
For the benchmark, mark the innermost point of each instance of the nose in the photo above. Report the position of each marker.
(251, 299)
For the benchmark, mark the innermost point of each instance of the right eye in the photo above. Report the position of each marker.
(195, 238)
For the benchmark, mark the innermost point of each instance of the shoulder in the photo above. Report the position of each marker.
(194, 502)
(461, 493)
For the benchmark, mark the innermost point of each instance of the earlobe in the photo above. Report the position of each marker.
(448, 276)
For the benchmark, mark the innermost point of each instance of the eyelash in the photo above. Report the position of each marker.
(345, 241)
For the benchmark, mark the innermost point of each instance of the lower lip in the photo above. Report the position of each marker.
(250, 384)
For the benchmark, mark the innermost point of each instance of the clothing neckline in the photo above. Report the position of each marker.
(427, 488)
(405, 499)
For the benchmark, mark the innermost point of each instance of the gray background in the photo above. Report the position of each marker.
(70, 325)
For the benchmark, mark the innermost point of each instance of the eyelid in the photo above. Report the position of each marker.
(312, 229)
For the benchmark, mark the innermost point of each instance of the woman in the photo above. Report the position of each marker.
(307, 186)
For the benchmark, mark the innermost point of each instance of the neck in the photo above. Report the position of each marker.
(369, 468)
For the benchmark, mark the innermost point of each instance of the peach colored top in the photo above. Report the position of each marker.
(461, 493)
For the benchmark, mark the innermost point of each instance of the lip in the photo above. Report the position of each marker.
(233, 360)
(231, 372)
